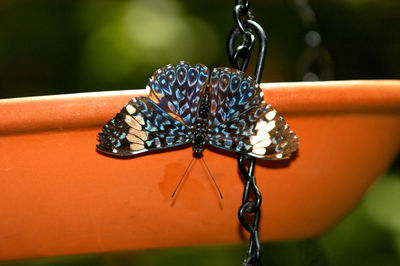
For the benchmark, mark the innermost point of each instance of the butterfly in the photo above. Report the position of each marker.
(189, 105)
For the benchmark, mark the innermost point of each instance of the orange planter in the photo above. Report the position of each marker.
(60, 196)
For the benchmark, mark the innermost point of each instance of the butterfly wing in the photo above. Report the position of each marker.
(139, 127)
(241, 121)
(162, 120)
(178, 90)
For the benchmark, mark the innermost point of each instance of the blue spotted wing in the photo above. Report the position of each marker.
(241, 121)
(163, 119)
(238, 118)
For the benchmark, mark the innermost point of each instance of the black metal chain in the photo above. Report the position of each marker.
(252, 208)
(239, 56)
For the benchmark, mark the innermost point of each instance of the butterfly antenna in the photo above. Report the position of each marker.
(180, 181)
(209, 172)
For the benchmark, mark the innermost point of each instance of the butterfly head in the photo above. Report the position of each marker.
(199, 141)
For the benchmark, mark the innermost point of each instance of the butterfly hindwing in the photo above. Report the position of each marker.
(141, 126)
(232, 94)
(241, 121)
(178, 89)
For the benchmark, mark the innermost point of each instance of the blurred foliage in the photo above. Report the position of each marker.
(52, 47)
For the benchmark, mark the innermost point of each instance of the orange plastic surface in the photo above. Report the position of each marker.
(60, 196)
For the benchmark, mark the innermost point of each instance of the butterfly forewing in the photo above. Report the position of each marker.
(164, 119)
(141, 126)
(241, 121)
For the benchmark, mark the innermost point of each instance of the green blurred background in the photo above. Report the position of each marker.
(52, 47)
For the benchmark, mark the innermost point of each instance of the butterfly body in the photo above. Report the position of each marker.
(199, 135)
(186, 104)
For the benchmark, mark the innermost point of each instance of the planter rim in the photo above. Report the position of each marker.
(68, 111)
(337, 85)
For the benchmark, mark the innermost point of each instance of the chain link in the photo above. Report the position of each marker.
(241, 16)
(248, 30)
(250, 207)
(239, 56)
